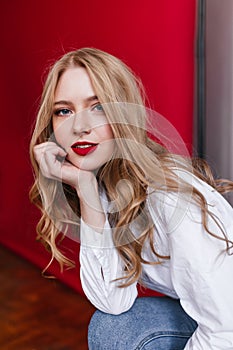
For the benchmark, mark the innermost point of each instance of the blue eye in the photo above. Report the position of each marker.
(63, 112)
(98, 107)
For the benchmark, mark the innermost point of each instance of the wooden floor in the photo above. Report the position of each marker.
(37, 313)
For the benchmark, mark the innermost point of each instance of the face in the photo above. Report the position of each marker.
(79, 123)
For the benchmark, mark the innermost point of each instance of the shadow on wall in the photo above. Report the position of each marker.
(219, 87)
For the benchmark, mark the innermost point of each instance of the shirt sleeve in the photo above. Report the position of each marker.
(201, 270)
(100, 266)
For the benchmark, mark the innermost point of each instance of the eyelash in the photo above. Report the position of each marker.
(96, 105)
(60, 110)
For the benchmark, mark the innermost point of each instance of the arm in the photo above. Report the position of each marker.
(99, 260)
(100, 265)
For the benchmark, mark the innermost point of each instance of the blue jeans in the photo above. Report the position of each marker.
(153, 323)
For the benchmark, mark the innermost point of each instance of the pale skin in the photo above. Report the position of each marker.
(78, 117)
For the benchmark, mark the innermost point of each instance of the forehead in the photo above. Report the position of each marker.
(74, 82)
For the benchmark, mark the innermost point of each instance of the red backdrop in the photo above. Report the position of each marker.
(155, 38)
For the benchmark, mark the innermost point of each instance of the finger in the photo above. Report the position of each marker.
(53, 165)
(46, 155)
(48, 147)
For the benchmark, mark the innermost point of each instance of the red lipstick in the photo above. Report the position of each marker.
(83, 148)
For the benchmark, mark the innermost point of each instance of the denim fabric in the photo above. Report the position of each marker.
(153, 323)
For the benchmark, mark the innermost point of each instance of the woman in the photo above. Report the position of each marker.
(144, 214)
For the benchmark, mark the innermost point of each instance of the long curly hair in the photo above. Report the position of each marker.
(141, 162)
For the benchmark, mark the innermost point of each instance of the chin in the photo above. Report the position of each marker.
(86, 166)
(87, 163)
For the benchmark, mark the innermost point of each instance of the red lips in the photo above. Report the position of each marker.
(83, 148)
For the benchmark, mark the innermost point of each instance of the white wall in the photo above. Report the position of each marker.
(219, 86)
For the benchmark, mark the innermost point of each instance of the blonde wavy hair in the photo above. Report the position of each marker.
(119, 90)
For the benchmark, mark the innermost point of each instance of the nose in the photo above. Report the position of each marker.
(81, 124)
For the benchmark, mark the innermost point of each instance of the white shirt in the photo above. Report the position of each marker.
(199, 271)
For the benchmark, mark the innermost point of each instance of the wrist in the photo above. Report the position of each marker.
(87, 188)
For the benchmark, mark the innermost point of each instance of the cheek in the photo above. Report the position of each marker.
(107, 135)
(106, 132)
(60, 131)
(55, 124)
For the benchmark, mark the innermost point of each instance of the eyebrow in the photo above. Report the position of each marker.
(68, 103)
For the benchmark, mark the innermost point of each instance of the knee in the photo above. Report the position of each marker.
(150, 323)
(103, 331)
(96, 329)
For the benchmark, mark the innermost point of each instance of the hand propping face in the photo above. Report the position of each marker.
(53, 165)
